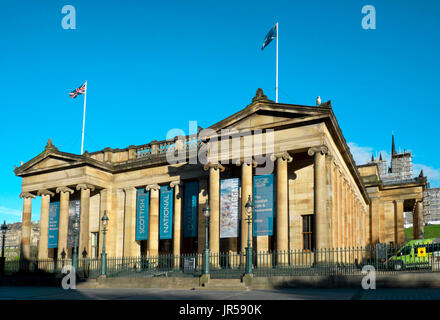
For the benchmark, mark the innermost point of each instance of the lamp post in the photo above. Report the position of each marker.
(75, 245)
(104, 221)
(4, 228)
(249, 207)
(206, 211)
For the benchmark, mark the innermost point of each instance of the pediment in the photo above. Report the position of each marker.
(270, 114)
(51, 162)
(47, 161)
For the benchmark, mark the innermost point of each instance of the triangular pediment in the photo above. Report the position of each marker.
(52, 162)
(262, 115)
(50, 159)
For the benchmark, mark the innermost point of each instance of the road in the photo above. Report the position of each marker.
(52, 293)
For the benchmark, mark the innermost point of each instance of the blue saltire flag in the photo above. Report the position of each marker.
(272, 34)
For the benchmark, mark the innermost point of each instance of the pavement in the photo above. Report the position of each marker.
(54, 293)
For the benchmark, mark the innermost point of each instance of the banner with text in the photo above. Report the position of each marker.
(263, 206)
(229, 207)
(74, 212)
(166, 213)
(190, 208)
(54, 214)
(142, 208)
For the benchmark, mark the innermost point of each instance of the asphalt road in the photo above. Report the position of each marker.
(52, 293)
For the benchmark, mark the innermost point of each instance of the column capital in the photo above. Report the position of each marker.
(45, 192)
(283, 156)
(64, 189)
(128, 189)
(323, 149)
(155, 187)
(27, 195)
(176, 183)
(398, 201)
(214, 166)
(248, 161)
(84, 186)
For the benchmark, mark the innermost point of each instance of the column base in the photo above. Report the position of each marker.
(204, 279)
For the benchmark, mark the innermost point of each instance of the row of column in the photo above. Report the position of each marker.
(339, 218)
(379, 223)
(46, 195)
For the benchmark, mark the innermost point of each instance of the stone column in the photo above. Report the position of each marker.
(83, 247)
(106, 204)
(131, 247)
(214, 204)
(177, 224)
(321, 221)
(43, 252)
(202, 198)
(374, 221)
(282, 206)
(418, 223)
(399, 236)
(65, 193)
(246, 191)
(26, 225)
(382, 225)
(153, 224)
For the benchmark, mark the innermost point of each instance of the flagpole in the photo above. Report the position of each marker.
(84, 119)
(276, 85)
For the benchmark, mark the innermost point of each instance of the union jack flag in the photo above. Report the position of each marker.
(77, 91)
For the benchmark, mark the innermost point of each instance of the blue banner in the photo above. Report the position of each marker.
(263, 206)
(54, 215)
(190, 207)
(142, 208)
(166, 213)
(229, 207)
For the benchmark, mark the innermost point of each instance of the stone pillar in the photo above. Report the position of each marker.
(282, 206)
(399, 236)
(418, 223)
(382, 224)
(43, 252)
(107, 205)
(214, 204)
(83, 248)
(153, 224)
(374, 221)
(131, 247)
(202, 199)
(321, 221)
(246, 191)
(26, 225)
(177, 224)
(63, 225)
(118, 229)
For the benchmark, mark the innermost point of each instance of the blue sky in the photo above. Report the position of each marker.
(154, 66)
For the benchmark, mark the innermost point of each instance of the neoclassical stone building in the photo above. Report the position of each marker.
(292, 160)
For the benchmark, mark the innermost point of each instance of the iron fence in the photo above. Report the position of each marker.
(334, 261)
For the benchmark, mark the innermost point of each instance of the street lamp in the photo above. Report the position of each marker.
(4, 228)
(248, 206)
(206, 211)
(104, 221)
(75, 245)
